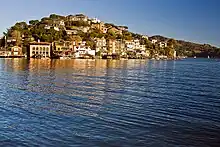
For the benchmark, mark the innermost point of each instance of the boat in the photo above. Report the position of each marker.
(208, 57)
(194, 57)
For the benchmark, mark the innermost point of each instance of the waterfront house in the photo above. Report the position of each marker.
(39, 49)
(62, 46)
(111, 46)
(101, 45)
(83, 52)
(16, 51)
(5, 52)
(120, 47)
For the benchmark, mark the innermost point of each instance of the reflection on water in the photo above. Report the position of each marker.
(109, 102)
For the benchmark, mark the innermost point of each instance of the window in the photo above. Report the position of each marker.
(37, 48)
(33, 48)
(40, 48)
(46, 52)
(44, 48)
(47, 48)
(33, 52)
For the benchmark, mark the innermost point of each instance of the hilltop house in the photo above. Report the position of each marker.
(39, 49)
(77, 17)
(95, 20)
(115, 30)
(122, 28)
(99, 26)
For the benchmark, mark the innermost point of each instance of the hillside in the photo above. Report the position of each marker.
(191, 49)
(81, 28)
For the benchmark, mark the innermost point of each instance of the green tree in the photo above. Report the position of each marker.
(33, 22)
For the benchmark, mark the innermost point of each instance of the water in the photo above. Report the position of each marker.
(109, 103)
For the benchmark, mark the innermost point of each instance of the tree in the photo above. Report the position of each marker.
(171, 43)
(90, 43)
(127, 36)
(17, 36)
(33, 22)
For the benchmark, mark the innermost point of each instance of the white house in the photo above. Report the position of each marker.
(129, 45)
(154, 41)
(162, 44)
(40, 49)
(81, 51)
(95, 20)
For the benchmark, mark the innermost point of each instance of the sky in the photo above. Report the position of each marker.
(191, 20)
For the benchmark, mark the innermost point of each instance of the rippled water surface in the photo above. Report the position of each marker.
(109, 102)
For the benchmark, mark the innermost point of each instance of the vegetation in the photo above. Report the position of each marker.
(184, 48)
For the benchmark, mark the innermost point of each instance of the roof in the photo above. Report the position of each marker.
(40, 43)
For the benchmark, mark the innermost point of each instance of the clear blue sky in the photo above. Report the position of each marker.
(192, 20)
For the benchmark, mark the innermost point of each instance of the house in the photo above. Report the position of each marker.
(111, 46)
(129, 45)
(16, 51)
(5, 52)
(162, 44)
(101, 45)
(56, 28)
(138, 46)
(58, 23)
(47, 27)
(115, 30)
(61, 46)
(123, 28)
(95, 20)
(120, 46)
(72, 32)
(77, 17)
(99, 26)
(154, 41)
(83, 51)
(42, 49)
(145, 37)
(84, 29)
